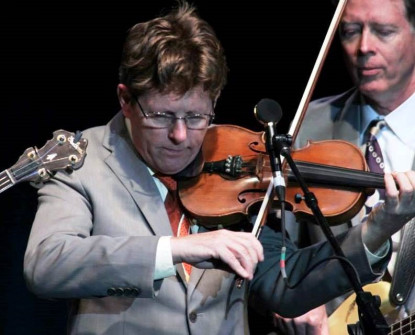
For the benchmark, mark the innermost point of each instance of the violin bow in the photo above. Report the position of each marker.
(299, 116)
(311, 84)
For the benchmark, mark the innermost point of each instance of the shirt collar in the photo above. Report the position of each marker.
(368, 115)
(400, 121)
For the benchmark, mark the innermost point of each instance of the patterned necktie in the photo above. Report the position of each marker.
(180, 224)
(374, 159)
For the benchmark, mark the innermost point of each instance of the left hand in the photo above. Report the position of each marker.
(391, 216)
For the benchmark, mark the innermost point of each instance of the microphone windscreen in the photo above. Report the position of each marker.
(268, 110)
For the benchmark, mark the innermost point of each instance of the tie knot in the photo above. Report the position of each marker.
(373, 154)
(375, 126)
(168, 181)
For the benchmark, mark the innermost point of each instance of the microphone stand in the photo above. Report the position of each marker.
(371, 319)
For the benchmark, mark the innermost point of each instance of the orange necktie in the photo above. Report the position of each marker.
(178, 221)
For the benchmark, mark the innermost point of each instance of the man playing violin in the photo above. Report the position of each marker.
(103, 238)
(378, 40)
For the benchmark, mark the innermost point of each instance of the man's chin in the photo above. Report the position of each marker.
(171, 168)
(371, 88)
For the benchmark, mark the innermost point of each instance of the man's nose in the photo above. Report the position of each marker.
(367, 41)
(178, 131)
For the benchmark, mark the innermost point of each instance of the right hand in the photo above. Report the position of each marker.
(238, 251)
(314, 322)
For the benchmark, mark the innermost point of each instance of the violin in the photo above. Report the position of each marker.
(237, 172)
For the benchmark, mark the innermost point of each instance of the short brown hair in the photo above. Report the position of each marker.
(173, 53)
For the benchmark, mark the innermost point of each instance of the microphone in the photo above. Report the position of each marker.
(269, 113)
(268, 110)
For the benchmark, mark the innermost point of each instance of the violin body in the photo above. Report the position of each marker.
(337, 201)
(237, 173)
(216, 198)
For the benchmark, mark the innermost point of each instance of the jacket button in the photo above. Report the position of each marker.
(193, 317)
(119, 292)
(135, 292)
(131, 292)
(111, 291)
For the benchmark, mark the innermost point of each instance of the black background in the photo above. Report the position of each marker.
(58, 70)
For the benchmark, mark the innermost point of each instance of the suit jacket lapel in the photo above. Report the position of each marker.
(134, 175)
(129, 169)
(346, 125)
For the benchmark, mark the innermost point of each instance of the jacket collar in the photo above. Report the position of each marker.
(133, 173)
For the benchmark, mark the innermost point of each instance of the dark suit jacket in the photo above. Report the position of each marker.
(95, 235)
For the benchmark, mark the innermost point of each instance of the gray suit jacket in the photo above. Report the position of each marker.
(94, 242)
(335, 117)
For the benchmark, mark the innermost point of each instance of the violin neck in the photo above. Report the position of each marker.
(337, 176)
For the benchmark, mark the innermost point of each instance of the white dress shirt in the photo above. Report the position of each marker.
(397, 142)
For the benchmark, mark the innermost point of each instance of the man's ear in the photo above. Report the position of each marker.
(216, 100)
(124, 97)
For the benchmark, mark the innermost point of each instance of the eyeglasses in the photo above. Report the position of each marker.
(162, 120)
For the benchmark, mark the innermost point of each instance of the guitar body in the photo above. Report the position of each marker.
(347, 312)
